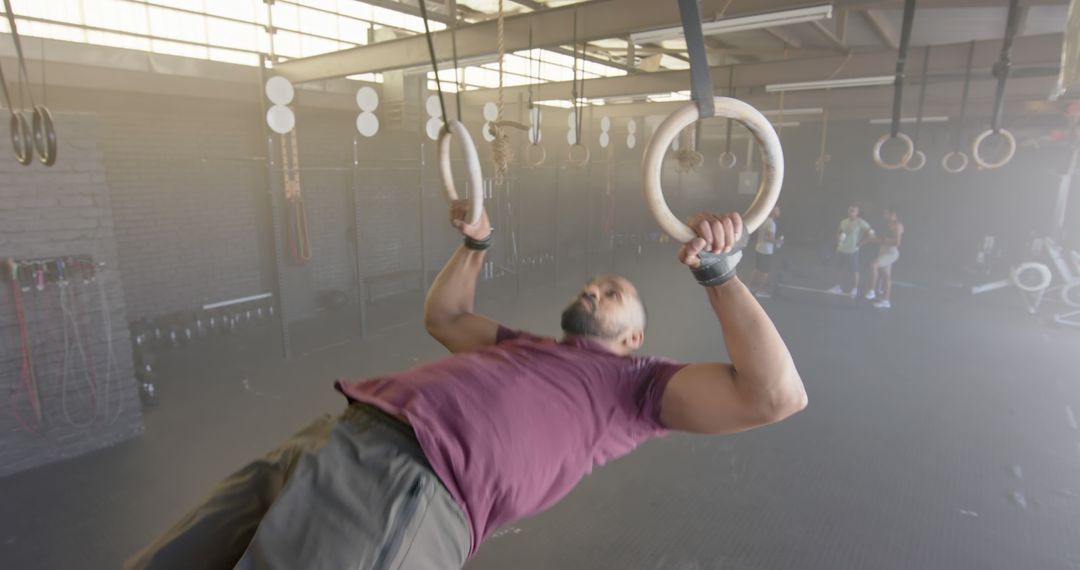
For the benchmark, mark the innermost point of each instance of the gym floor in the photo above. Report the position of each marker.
(940, 434)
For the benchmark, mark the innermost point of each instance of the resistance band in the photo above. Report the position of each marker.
(27, 375)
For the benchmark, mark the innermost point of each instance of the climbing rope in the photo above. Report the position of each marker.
(502, 153)
(823, 155)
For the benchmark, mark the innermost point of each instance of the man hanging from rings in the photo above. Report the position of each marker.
(424, 464)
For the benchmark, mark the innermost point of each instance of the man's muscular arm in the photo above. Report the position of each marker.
(448, 309)
(761, 384)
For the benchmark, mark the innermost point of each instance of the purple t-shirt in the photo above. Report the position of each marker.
(511, 428)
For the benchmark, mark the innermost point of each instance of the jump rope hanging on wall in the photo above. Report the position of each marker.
(39, 133)
(33, 279)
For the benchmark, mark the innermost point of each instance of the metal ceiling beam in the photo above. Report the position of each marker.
(784, 38)
(928, 4)
(829, 35)
(949, 58)
(530, 4)
(883, 29)
(942, 99)
(598, 19)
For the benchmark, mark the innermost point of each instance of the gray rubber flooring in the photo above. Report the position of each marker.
(940, 435)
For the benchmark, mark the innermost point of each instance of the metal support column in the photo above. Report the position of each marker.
(360, 292)
(423, 246)
(273, 183)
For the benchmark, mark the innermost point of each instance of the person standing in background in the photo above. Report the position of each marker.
(850, 236)
(887, 256)
(767, 241)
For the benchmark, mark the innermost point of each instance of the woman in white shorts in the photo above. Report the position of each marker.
(887, 256)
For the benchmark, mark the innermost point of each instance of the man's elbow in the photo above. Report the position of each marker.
(787, 403)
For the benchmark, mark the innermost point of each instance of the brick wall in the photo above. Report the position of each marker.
(190, 205)
(61, 211)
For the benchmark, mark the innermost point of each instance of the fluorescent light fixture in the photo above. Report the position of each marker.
(832, 84)
(567, 104)
(741, 24)
(888, 121)
(794, 112)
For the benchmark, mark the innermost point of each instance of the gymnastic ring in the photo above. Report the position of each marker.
(725, 163)
(726, 107)
(535, 155)
(21, 138)
(1009, 139)
(907, 153)
(1045, 277)
(582, 157)
(454, 129)
(948, 159)
(1070, 294)
(44, 135)
(919, 157)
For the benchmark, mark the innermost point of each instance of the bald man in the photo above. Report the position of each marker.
(425, 464)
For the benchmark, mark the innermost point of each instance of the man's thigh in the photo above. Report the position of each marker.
(367, 500)
(214, 534)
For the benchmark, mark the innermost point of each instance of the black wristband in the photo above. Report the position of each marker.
(719, 268)
(482, 244)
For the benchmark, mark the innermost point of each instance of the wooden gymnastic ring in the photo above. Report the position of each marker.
(725, 163)
(948, 159)
(582, 157)
(454, 129)
(907, 153)
(535, 155)
(22, 140)
(726, 107)
(44, 135)
(1009, 139)
(919, 157)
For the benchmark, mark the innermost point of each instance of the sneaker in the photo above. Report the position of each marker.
(871, 295)
(836, 290)
(883, 304)
(854, 293)
(763, 295)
